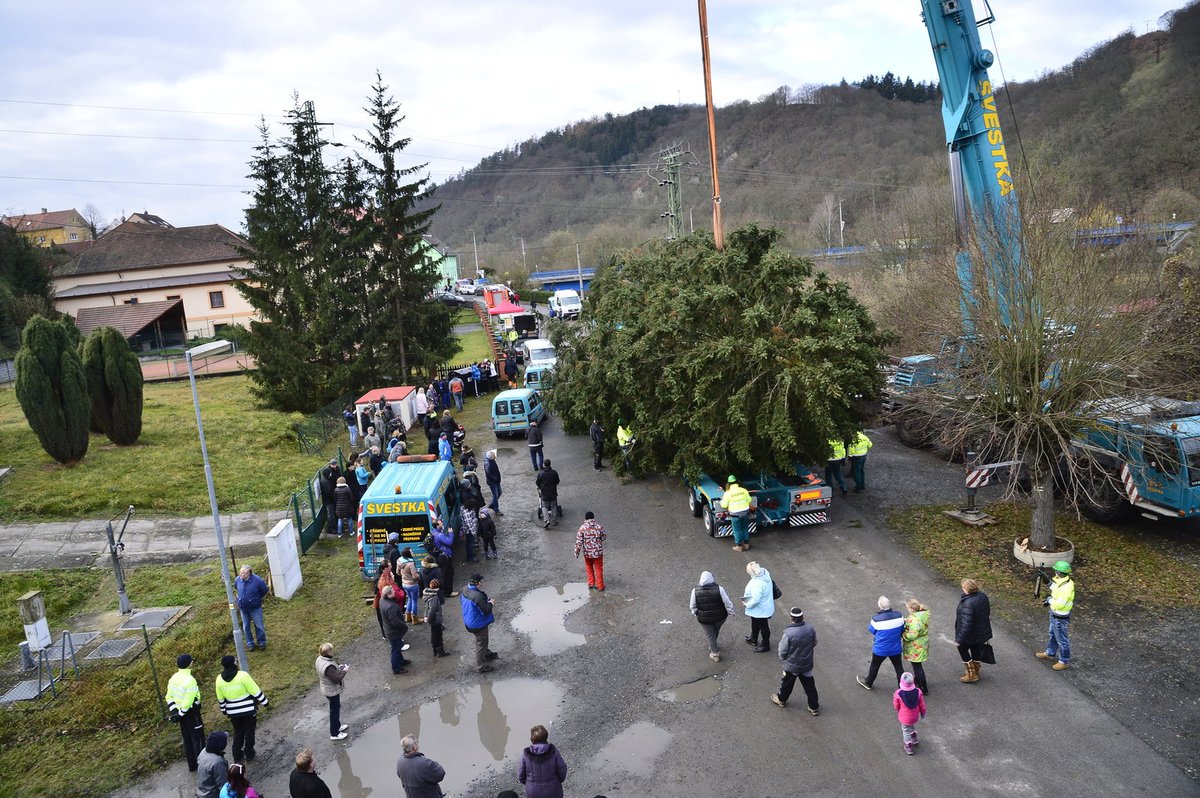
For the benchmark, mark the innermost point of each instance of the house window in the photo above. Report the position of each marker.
(131, 301)
(74, 236)
(218, 327)
(172, 296)
(216, 299)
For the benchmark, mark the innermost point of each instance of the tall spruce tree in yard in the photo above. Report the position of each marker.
(52, 389)
(406, 332)
(114, 379)
(741, 359)
(303, 346)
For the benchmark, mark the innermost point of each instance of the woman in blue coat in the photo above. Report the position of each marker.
(759, 601)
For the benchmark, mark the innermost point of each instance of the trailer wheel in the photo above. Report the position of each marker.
(694, 503)
(710, 521)
(912, 431)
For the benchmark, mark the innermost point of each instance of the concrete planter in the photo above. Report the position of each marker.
(1044, 559)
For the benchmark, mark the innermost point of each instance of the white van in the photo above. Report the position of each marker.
(565, 304)
(539, 352)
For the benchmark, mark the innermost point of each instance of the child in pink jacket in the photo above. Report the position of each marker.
(910, 706)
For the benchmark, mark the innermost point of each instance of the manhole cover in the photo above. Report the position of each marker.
(153, 619)
(24, 691)
(78, 639)
(113, 648)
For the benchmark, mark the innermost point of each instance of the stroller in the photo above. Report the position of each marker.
(548, 512)
(460, 435)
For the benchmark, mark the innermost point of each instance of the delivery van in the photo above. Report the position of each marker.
(539, 352)
(565, 304)
(405, 498)
(512, 411)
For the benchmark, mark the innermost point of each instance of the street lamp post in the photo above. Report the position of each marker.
(476, 248)
(204, 350)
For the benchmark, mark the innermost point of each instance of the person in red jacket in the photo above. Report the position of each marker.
(910, 707)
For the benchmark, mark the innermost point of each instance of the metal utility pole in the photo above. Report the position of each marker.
(524, 265)
(579, 268)
(670, 159)
(718, 231)
(476, 248)
(841, 226)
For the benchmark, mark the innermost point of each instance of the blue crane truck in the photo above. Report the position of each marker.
(1141, 452)
(798, 499)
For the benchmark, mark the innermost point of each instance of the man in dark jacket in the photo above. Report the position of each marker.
(251, 590)
(596, 433)
(304, 781)
(796, 653)
(534, 438)
(420, 776)
(477, 617)
(328, 479)
(547, 485)
(491, 474)
(972, 628)
(394, 627)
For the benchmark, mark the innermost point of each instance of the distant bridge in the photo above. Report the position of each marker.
(1168, 235)
(564, 278)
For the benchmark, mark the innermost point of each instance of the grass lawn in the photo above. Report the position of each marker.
(255, 460)
(111, 714)
(1112, 565)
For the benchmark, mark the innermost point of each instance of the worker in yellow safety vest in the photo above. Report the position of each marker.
(239, 697)
(1061, 601)
(857, 451)
(833, 467)
(183, 704)
(736, 501)
(625, 441)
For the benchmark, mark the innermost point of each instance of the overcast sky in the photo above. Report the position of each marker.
(132, 106)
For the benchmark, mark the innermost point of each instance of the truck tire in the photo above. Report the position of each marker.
(694, 503)
(912, 430)
(1100, 497)
(710, 521)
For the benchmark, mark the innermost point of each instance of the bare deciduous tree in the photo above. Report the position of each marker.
(1037, 377)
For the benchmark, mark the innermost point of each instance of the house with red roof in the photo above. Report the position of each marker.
(51, 228)
(145, 260)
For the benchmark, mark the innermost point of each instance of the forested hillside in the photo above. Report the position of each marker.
(1117, 126)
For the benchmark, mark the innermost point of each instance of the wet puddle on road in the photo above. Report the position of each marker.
(467, 732)
(543, 617)
(698, 690)
(633, 750)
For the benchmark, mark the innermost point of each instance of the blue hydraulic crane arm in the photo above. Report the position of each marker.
(984, 198)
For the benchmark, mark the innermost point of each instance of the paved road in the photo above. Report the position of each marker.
(1023, 730)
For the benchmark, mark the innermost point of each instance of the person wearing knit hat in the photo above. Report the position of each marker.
(796, 653)
(183, 704)
(239, 697)
(909, 703)
(213, 772)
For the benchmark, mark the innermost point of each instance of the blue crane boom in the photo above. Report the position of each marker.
(984, 198)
